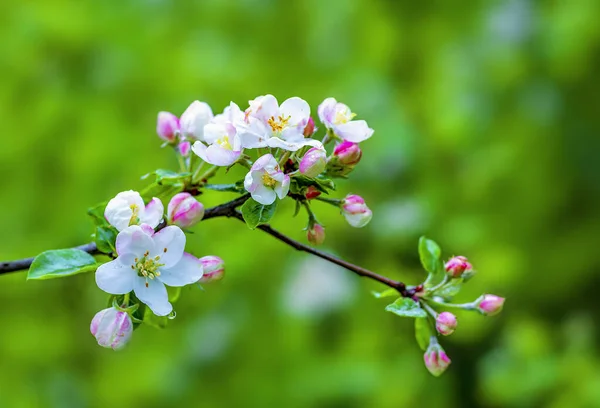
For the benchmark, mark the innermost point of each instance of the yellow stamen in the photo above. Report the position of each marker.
(268, 181)
(224, 142)
(277, 125)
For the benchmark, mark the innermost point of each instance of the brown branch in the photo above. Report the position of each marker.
(229, 210)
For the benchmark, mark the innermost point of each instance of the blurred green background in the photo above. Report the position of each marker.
(486, 118)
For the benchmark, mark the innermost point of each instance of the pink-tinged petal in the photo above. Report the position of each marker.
(188, 270)
(282, 189)
(326, 111)
(219, 156)
(184, 148)
(167, 126)
(264, 195)
(354, 131)
(264, 161)
(148, 230)
(176, 202)
(115, 277)
(264, 107)
(119, 210)
(251, 181)
(199, 149)
(134, 240)
(169, 245)
(193, 120)
(153, 213)
(94, 325)
(297, 109)
(253, 134)
(153, 293)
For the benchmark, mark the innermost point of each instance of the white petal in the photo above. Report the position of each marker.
(119, 210)
(298, 110)
(326, 111)
(154, 295)
(292, 146)
(249, 181)
(195, 117)
(188, 270)
(199, 149)
(169, 243)
(214, 131)
(253, 134)
(282, 189)
(134, 240)
(115, 277)
(355, 131)
(263, 162)
(153, 213)
(219, 156)
(264, 195)
(264, 107)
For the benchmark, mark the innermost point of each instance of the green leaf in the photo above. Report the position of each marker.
(431, 259)
(300, 183)
(60, 263)
(385, 293)
(234, 187)
(106, 238)
(174, 293)
(160, 322)
(166, 176)
(162, 190)
(423, 332)
(256, 214)
(449, 290)
(406, 307)
(97, 214)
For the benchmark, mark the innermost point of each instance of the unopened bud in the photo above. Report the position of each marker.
(314, 161)
(356, 211)
(112, 328)
(312, 192)
(347, 153)
(456, 266)
(445, 323)
(184, 210)
(184, 148)
(167, 126)
(490, 305)
(316, 234)
(436, 359)
(214, 268)
(310, 129)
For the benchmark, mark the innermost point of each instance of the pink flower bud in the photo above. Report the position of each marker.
(490, 305)
(184, 148)
(214, 268)
(310, 129)
(445, 323)
(456, 266)
(184, 210)
(312, 192)
(316, 234)
(112, 328)
(347, 153)
(167, 126)
(436, 359)
(356, 211)
(314, 161)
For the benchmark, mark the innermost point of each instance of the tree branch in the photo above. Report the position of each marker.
(229, 210)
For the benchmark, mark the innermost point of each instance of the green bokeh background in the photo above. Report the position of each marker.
(486, 118)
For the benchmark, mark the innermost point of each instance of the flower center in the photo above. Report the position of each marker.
(147, 267)
(343, 116)
(277, 125)
(268, 180)
(224, 142)
(135, 215)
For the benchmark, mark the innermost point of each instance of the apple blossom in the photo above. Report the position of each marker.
(167, 126)
(315, 234)
(313, 162)
(193, 120)
(337, 117)
(224, 144)
(445, 323)
(436, 359)
(214, 268)
(356, 211)
(490, 305)
(266, 124)
(112, 328)
(311, 193)
(148, 261)
(265, 181)
(184, 210)
(310, 128)
(347, 153)
(127, 208)
(184, 148)
(456, 266)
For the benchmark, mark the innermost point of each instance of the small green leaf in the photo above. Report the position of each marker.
(406, 307)
(385, 293)
(300, 183)
(97, 214)
(160, 322)
(60, 263)
(162, 190)
(449, 290)
(423, 332)
(105, 239)
(166, 175)
(256, 214)
(233, 188)
(431, 259)
(174, 293)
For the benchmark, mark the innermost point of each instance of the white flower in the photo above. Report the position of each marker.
(147, 262)
(224, 145)
(193, 120)
(338, 117)
(265, 181)
(127, 208)
(266, 124)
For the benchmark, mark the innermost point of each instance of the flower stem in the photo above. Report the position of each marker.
(284, 159)
(208, 174)
(333, 201)
(463, 306)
